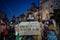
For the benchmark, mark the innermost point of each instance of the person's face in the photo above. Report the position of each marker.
(30, 16)
(3, 26)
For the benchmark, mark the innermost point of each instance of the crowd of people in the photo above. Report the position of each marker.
(5, 32)
(9, 33)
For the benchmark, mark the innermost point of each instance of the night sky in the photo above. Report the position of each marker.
(16, 7)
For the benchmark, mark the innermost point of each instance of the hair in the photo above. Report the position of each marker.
(30, 14)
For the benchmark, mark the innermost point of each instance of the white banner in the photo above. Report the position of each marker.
(29, 28)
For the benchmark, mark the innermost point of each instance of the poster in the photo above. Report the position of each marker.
(29, 28)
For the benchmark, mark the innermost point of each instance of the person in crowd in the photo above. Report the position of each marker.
(30, 17)
(51, 35)
(11, 32)
(4, 32)
(45, 30)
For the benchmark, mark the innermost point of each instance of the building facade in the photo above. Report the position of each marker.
(49, 3)
(45, 10)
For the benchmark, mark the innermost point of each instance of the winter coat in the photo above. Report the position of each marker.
(51, 36)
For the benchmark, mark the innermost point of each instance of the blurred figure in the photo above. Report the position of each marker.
(51, 36)
(11, 33)
(45, 30)
(4, 32)
(30, 17)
